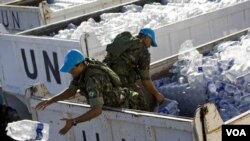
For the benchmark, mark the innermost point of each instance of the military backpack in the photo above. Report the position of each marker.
(100, 67)
(119, 56)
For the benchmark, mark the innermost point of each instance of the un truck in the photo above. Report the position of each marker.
(116, 124)
(20, 15)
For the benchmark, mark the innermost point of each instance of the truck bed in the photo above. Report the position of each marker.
(21, 15)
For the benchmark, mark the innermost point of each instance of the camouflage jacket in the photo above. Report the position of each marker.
(99, 90)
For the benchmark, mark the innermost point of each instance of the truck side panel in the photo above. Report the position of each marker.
(19, 18)
(82, 9)
(26, 60)
(5, 1)
(213, 123)
(113, 125)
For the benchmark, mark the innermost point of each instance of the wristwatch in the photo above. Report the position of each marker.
(74, 122)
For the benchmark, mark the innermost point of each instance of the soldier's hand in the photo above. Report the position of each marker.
(67, 126)
(42, 105)
(160, 98)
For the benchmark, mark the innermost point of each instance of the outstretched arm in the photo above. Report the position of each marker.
(94, 90)
(149, 86)
(67, 93)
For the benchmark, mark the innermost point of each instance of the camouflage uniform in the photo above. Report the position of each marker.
(132, 65)
(99, 90)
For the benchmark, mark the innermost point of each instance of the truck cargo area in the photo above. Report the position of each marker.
(21, 15)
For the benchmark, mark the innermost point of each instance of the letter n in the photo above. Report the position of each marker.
(49, 66)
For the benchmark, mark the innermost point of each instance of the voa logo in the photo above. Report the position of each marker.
(236, 132)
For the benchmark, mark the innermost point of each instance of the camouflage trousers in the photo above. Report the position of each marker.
(134, 100)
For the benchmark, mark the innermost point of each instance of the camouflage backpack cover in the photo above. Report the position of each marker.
(121, 42)
(119, 57)
(99, 67)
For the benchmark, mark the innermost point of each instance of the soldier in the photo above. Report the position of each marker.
(97, 82)
(129, 57)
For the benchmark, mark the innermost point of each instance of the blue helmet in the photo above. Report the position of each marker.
(72, 58)
(149, 32)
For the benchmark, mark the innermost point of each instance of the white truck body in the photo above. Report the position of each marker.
(124, 124)
(199, 29)
(18, 16)
(4, 1)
